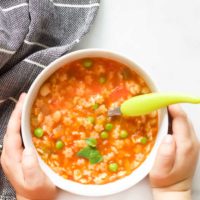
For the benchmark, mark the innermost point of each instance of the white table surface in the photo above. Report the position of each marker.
(162, 36)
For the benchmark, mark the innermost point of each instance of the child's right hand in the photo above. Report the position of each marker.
(171, 175)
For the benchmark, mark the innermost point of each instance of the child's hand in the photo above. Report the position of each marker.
(172, 173)
(21, 166)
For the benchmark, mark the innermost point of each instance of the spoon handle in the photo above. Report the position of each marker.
(144, 104)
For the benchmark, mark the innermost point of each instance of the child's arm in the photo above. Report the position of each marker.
(21, 166)
(164, 195)
(171, 175)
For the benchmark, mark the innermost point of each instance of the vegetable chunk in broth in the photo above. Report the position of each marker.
(72, 131)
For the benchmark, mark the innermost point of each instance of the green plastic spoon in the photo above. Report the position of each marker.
(144, 104)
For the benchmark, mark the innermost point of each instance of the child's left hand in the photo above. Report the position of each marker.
(21, 165)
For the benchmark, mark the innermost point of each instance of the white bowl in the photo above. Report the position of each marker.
(71, 186)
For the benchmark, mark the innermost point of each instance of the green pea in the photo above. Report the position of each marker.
(59, 144)
(104, 135)
(113, 167)
(143, 140)
(91, 119)
(95, 106)
(38, 132)
(102, 79)
(108, 127)
(123, 134)
(87, 63)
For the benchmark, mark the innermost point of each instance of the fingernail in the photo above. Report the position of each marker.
(22, 96)
(168, 139)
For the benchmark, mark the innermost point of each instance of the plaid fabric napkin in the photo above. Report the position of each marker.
(33, 33)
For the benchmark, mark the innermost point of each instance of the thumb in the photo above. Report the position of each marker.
(165, 158)
(31, 169)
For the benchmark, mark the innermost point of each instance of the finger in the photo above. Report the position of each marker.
(34, 178)
(176, 110)
(183, 130)
(31, 169)
(10, 167)
(14, 123)
(186, 142)
(164, 160)
(12, 139)
(180, 123)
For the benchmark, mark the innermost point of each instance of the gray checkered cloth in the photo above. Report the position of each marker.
(33, 33)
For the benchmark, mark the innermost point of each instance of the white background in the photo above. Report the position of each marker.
(163, 37)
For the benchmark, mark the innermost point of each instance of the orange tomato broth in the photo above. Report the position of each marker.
(62, 107)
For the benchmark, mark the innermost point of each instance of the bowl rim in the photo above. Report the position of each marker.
(71, 186)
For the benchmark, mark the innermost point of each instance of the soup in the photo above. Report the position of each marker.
(72, 131)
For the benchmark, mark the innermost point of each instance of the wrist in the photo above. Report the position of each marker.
(163, 194)
(19, 197)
